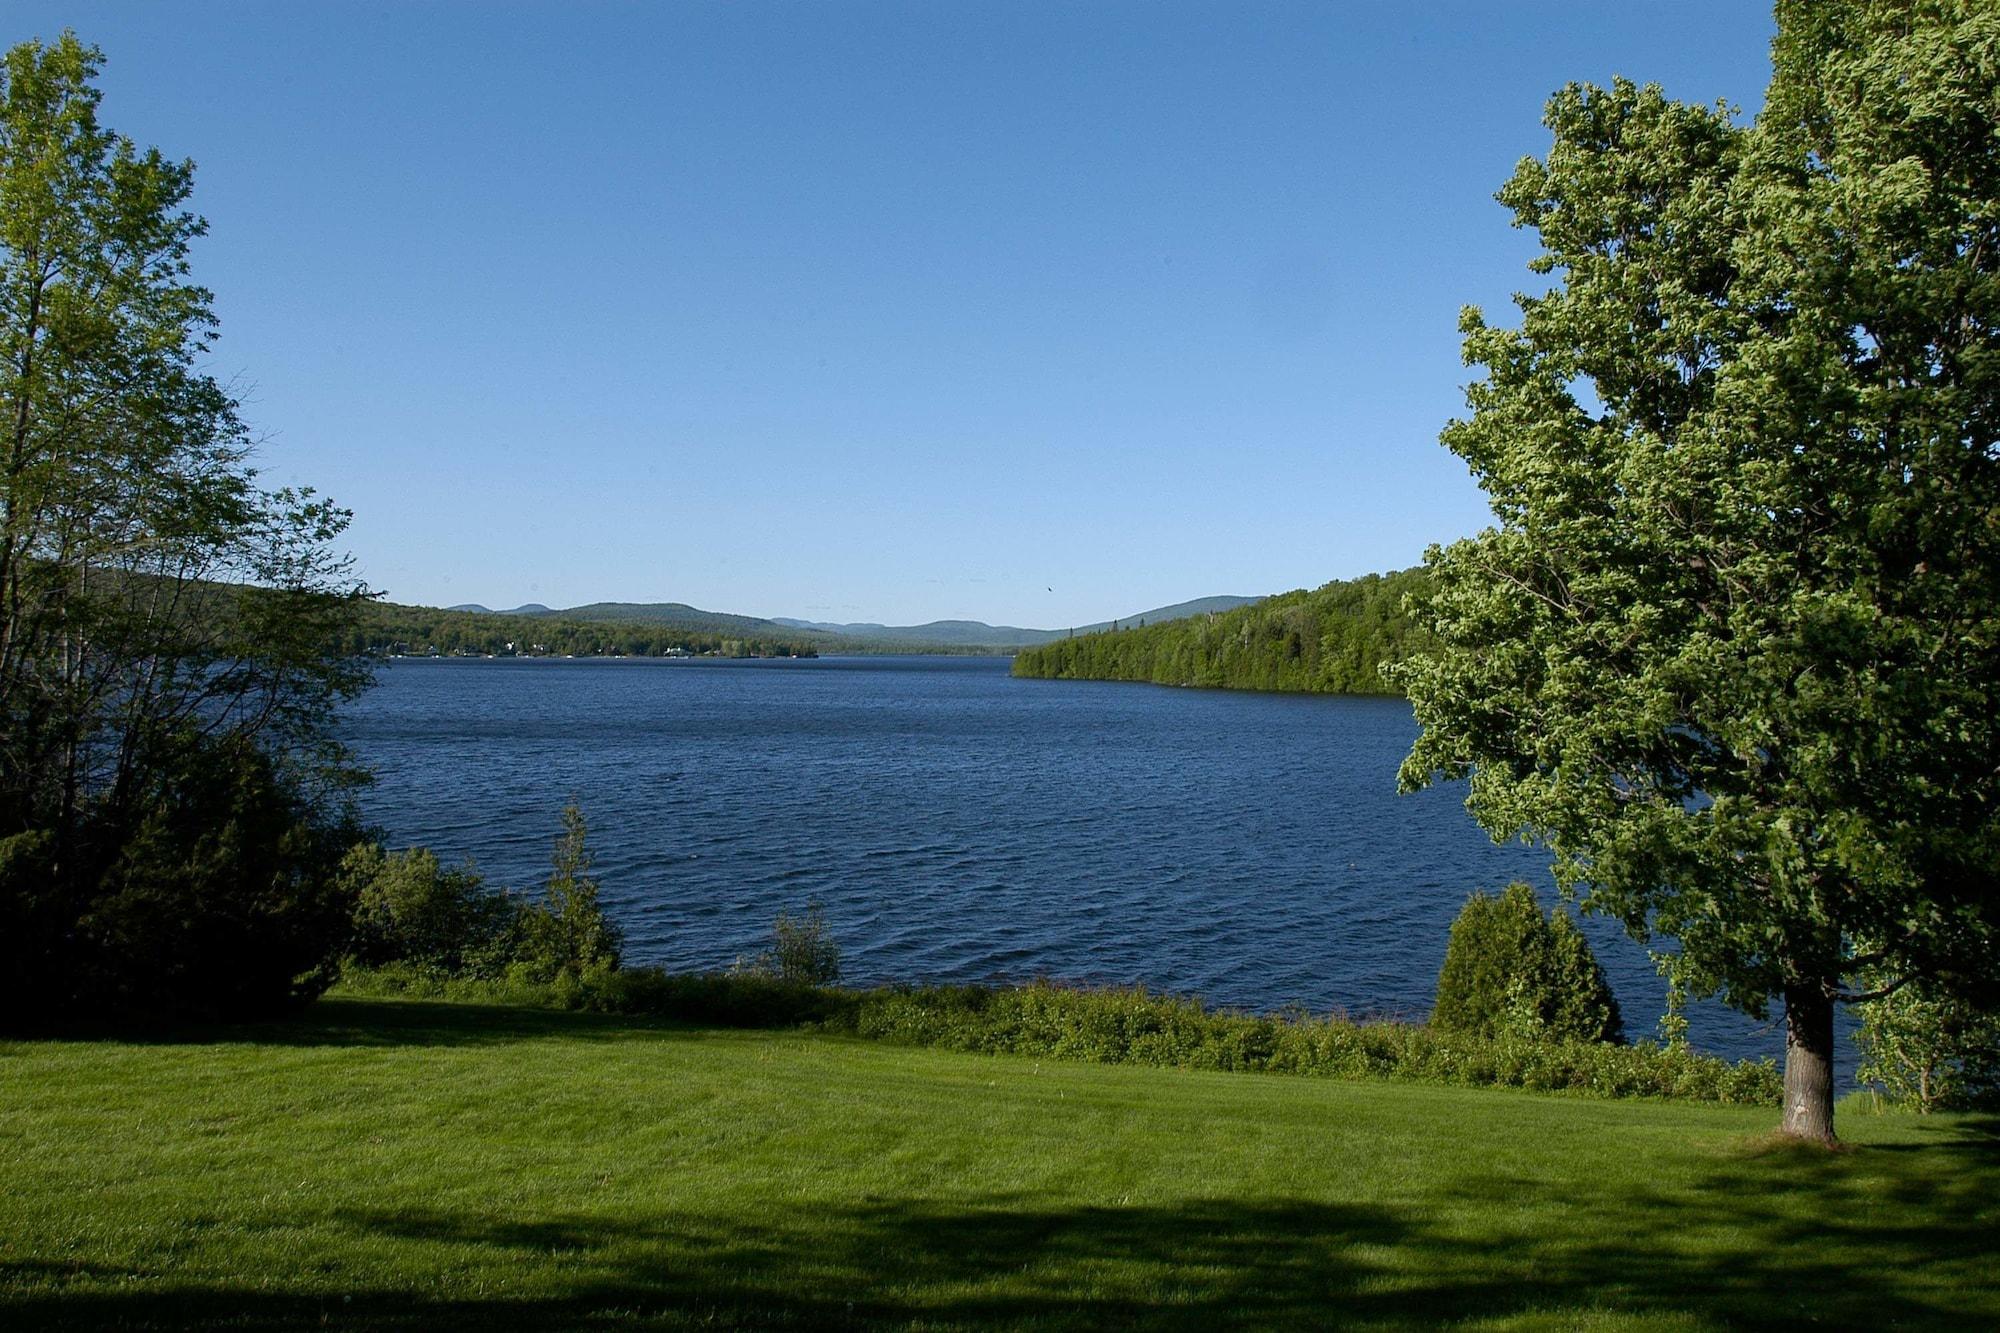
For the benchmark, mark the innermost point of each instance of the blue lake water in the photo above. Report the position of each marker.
(960, 825)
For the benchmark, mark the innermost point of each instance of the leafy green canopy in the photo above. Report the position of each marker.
(169, 782)
(1731, 648)
(1930, 1054)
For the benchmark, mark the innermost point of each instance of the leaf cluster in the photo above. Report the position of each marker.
(1731, 649)
(1930, 1053)
(803, 951)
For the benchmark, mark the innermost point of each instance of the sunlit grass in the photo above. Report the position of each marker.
(417, 1165)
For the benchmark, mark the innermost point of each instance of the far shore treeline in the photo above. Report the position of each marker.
(1335, 639)
(385, 629)
(388, 629)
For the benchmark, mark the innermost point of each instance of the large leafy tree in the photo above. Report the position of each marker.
(1731, 649)
(169, 786)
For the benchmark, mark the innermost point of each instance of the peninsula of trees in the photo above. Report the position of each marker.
(1335, 639)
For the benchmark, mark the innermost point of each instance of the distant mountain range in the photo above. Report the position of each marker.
(959, 634)
(963, 633)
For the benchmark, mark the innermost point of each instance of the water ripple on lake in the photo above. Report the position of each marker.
(957, 824)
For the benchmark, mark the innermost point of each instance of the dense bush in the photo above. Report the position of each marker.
(735, 999)
(420, 919)
(1930, 1054)
(1512, 970)
(1135, 1027)
(412, 911)
(212, 890)
(725, 999)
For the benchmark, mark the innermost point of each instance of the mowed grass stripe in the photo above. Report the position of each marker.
(401, 1164)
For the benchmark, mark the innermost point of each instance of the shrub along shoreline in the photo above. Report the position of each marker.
(1130, 1026)
(1522, 1003)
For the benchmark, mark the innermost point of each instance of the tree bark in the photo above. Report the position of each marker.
(1808, 1063)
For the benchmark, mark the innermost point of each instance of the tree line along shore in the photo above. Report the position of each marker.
(386, 629)
(1334, 639)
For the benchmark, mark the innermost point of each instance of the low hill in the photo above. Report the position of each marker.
(1200, 606)
(866, 636)
(678, 614)
(975, 632)
(526, 609)
(1334, 639)
(398, 1165)
(424, 631)
(951, 633)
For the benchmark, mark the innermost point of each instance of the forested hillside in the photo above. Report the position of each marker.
(1332, 640)
(423, 631)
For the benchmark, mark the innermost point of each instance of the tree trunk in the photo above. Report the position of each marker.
(1808, 1063)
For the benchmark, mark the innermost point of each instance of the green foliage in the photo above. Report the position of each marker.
(1732, 649)
(567, 932)
(1673, 1018)
(218, 895)
(1136, 1027)
(1509, 968)
(413, 911)
(172, 794)
(1930, 1054)
(1335, 640)
(802, 953)
(417, 924)
(737, 998)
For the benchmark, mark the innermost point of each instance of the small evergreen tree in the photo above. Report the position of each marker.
(568, 931)
(1509, 968)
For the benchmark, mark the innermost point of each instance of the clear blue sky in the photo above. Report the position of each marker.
(1028, 313)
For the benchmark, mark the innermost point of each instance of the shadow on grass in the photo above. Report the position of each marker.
(1984, 1125)
(1752, 1241)
(1895, 1236)
(368, 1021)
(996, 1263)
(1883, 1236)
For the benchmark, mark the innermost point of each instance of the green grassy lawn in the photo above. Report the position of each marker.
(416, 1165)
